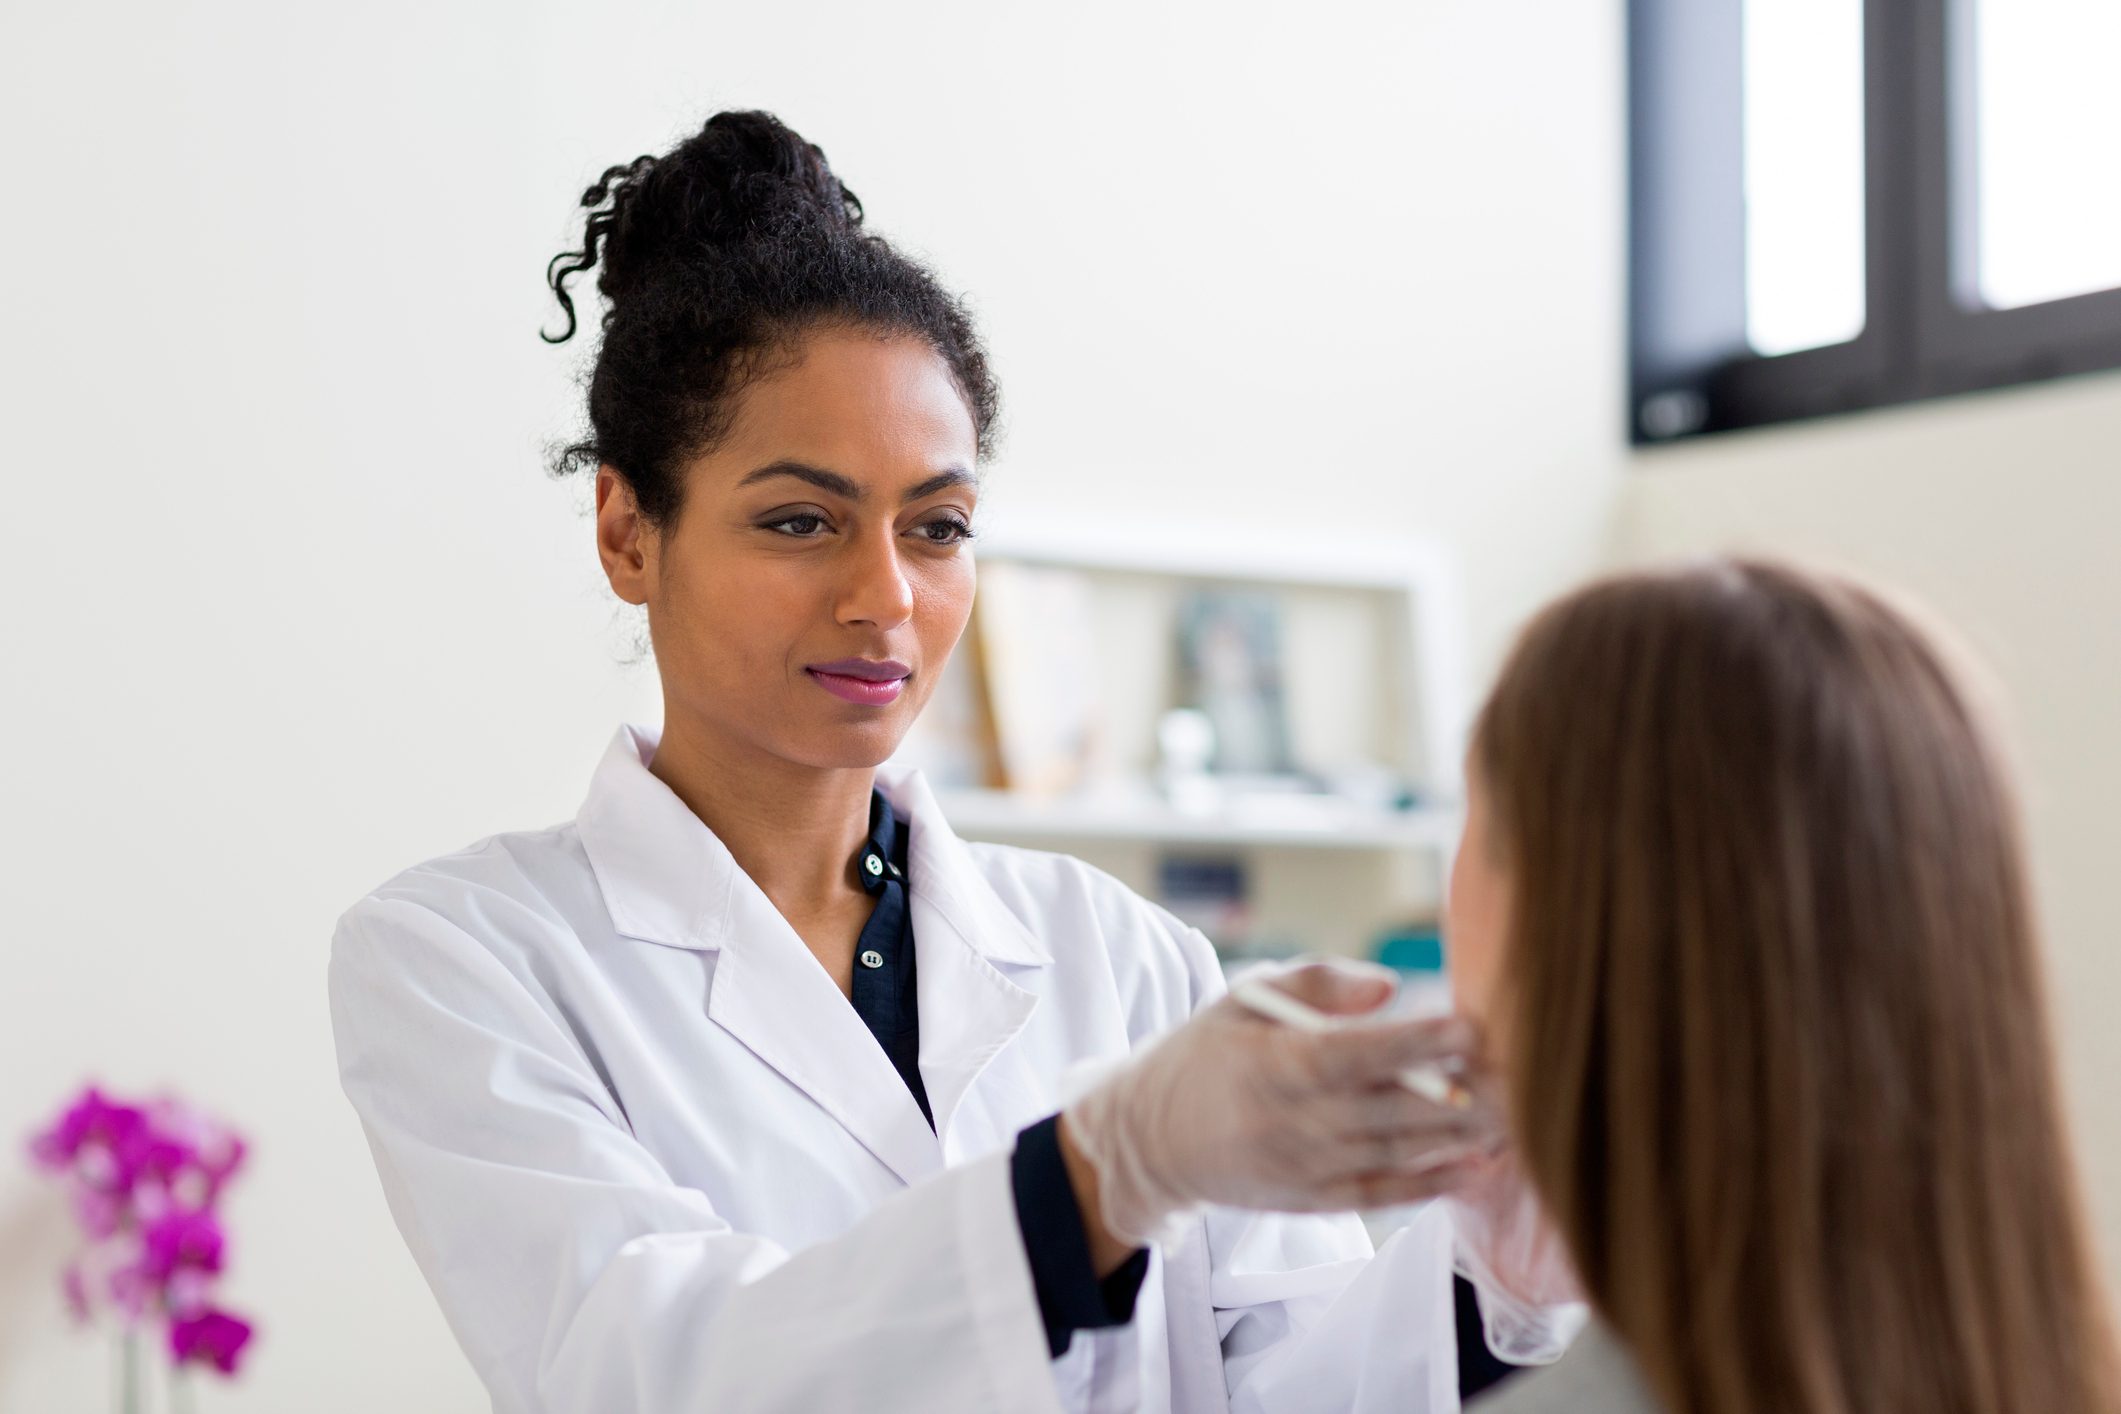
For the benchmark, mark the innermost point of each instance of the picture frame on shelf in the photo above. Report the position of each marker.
(1229, 651)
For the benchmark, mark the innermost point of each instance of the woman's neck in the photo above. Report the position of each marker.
(793, 829)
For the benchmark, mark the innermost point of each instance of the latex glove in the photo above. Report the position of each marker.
(1237, 1110)
(1530, 1301)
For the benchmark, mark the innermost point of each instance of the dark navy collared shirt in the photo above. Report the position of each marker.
(885, 968)
(886, 996)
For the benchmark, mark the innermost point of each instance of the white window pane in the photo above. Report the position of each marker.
(2048, 126)
(1804, 173)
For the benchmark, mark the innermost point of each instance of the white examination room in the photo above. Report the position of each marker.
(965, 708)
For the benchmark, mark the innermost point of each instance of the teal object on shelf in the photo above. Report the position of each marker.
(1411, 950)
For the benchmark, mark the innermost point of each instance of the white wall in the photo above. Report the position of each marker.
(2003, 511)
(289, 603)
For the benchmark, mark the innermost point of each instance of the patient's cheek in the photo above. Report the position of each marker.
(1473, 975)
(1476, 920)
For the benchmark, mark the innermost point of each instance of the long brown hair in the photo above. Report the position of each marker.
(1781, 1066)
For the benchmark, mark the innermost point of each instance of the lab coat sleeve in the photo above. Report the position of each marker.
(580, 1279)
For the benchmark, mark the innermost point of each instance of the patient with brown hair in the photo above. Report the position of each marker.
(1744, 911)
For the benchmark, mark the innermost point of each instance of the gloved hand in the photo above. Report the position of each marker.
(1530, 1303)
(1234, 1109)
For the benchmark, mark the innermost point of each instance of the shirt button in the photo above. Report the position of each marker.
(874, 865)
(872, 959)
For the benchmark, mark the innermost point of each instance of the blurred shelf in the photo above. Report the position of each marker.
(1251, 556)
(1263, 822)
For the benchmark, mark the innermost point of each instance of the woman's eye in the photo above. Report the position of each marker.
(799, 527)
(949, 530)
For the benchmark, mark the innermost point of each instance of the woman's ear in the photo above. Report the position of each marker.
(625, 541)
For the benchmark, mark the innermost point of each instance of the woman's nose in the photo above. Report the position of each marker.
(876, 590)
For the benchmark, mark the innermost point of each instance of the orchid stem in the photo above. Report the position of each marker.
(180, 1401)
(129, 1373)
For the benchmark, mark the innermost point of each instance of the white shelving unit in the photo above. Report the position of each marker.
(1264, 822)
(1418, 575)
(1334, 868)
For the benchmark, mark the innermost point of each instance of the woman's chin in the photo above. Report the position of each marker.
(847, 748)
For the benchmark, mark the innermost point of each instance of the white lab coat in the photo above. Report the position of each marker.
(650, 1159)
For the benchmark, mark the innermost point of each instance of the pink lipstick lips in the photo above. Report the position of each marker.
(862, 681)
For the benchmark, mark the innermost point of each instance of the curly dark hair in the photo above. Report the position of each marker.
(714, 260)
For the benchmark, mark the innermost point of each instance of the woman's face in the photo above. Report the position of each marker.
(1477, 917)
(816, 577)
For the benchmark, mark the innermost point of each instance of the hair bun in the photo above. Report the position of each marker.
(743, 176)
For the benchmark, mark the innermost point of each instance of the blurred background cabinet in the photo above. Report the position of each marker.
(1262, 732)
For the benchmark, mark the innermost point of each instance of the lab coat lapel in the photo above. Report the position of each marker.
(771, 994)
(667, 879)
(969, 945)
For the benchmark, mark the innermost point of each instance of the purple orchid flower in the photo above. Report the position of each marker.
(181, 1240)
(125, 1161)
(212, 1336)
(74, 1282)
(56, 1147)
(113, 1158)
(130, 1292)
(203, 1155)
(144, 1181)
(105, 1143)
(99, 1214)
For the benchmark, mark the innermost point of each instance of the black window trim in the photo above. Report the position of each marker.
(1691, 368)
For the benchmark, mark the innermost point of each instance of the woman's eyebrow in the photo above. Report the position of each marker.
(941, 481)
(847, 488)
(844, 487)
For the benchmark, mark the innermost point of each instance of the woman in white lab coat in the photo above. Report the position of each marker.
(739, 1091)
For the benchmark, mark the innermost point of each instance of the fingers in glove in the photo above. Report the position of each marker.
(1387, 1188)
(1339, 986)
(1394, 1109)
(1403, 1151)
(1364, 1056)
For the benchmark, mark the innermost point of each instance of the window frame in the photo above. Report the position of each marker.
(1692, 370)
